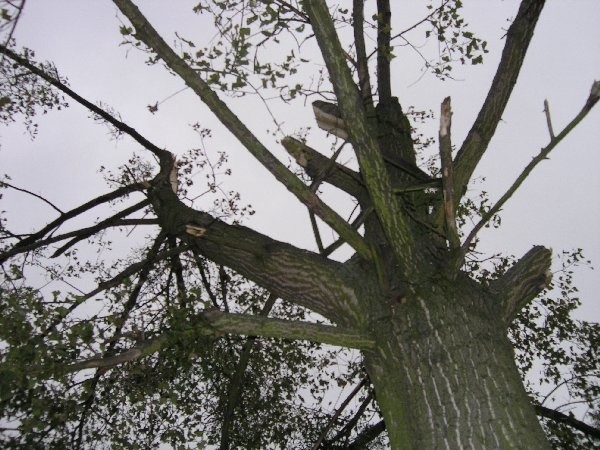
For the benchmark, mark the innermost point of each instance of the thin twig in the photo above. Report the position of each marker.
(542, 155)
(548, 119)
(48, 202)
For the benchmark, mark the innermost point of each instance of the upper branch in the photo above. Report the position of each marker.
(592, 99)
(313, 163)
(384, 29)
(149, 36)
(217, 323)
(475, 144)
(362, 135)
(362, 60)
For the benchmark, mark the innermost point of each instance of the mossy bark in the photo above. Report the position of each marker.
(444, 376)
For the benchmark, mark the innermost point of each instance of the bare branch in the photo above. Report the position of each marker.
(347, 429)
(544, 152)
(78, 235)
(204, 278)
(448, 173)
(52, 205)
(571, 421)
(476, 143)
(548, 119)
(316, 232)
(110, 222)
(120, 192)
(166, 158)
(337, 413)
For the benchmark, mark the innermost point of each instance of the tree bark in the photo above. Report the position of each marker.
(445, 377)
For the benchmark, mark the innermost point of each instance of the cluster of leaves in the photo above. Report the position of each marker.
(24, 95)
(561, 354)
(175, 396)
(234, 61)
(456, 42)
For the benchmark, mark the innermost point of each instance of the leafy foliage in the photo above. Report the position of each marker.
(24, 95)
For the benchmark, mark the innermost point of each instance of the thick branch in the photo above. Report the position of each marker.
(518, 38)
(240, 324)
(557, 416)
(362, 135)
(218, 323)
(313, 163)
(384, 51)
(524, 281)
(296, 275)
(149, 36)
(366, 436)
(362, 60)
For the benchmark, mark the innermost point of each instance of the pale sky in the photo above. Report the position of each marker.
(556, 207)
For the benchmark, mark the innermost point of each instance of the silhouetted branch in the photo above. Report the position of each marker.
(337, 413)
(52, 205)
(571, 421)
(166, 158)
(541, 156)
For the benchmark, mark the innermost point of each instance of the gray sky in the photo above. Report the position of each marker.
(556, 207)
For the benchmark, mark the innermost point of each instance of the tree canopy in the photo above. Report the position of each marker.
(148, 315)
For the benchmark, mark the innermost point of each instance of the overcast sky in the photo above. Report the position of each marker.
(557, 206)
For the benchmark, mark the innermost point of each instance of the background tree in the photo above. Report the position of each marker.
(160, 358)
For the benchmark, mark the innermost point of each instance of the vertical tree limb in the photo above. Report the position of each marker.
(448, 173)
(384, 51)
(362, 60)
(363, 138)
(518, 38)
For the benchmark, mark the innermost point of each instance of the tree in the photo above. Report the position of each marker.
(434, 329)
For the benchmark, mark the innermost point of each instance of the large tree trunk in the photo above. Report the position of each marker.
(445, 377)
